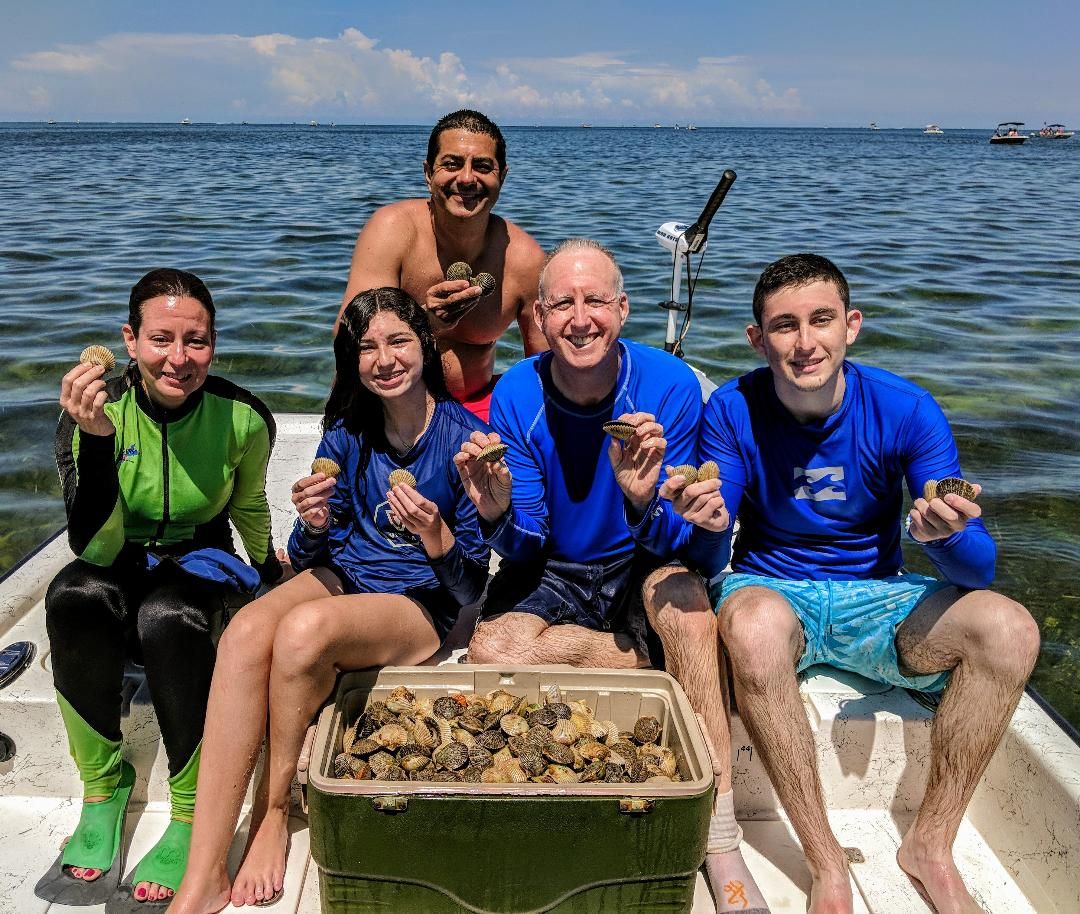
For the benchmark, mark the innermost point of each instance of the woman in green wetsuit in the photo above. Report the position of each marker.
(154, 464)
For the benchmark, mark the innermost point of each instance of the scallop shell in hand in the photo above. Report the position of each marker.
(459, 270)
(401, 478)
(953, 485)
(624, 431)
(492, 453)
(98, 355)
(326, 466)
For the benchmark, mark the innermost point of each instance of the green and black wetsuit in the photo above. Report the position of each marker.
(140, 503)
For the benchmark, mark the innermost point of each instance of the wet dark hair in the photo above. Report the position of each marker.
(473, 122)
(350, 402)
(167, 281)
(794, 271)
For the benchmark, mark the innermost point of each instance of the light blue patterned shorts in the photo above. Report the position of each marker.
(850, 624)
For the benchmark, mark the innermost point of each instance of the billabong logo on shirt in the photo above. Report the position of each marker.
(819, 484)
(130, 453)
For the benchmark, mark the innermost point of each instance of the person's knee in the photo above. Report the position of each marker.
(493, 643)
(302, 639)
(78, 586)
(164, 619)
(760, 632)
(676, 603)
(1006, 637)
(247, 640)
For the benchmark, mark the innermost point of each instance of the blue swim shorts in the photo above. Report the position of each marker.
(851, 624)
(602, 596)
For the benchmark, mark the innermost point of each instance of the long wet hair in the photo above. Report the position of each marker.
(350, 402)
(165, 281)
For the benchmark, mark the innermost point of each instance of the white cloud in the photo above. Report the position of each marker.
(351, 75)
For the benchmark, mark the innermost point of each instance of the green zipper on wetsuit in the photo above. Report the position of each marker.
(164, 485)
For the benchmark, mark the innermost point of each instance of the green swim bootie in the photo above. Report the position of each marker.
(96, 838)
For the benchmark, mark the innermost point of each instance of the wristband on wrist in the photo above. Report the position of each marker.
(313, 530)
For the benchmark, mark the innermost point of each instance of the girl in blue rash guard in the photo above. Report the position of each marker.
(385, 571)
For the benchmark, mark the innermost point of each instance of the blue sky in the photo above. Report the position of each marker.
(770, 63)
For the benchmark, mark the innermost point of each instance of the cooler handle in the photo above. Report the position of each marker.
(304, 761)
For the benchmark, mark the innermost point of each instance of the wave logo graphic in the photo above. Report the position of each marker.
(820, 484)
(130, 453)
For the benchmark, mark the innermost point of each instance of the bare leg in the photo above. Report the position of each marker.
(234, 730)
(764, 640)
(524, 638)
(679, 611)
(991, 644)
(314, 642)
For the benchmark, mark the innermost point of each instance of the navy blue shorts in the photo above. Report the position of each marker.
(438, 602)
(602, 596)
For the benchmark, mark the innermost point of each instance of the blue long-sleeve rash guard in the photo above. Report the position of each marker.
(823, 500)
(364, 544)
(566, 503)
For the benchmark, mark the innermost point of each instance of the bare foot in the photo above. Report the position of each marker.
(262, 873)
(151, 891)
(733, 884)
(936, 879)
(830, 893)
(208, 899)
(86, 873)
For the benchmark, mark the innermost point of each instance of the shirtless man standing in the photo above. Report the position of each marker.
(411, 243)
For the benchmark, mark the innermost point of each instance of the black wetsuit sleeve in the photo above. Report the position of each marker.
(88, 475)
(461, 574)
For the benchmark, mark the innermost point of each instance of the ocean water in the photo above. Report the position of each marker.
(965, 259)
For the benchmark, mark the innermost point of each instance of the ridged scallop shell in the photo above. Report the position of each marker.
(624, 431)
(558, 753)
(708, 470)
(532, 760)
(326, 466)
(565, 732)
(472, 724)
(480, 757)
(593, 772)
(492, 775)
(952, 485)
(582, 722)
(445, 735)
(415, 761)
(341, 766)
(459, 270)
(462, 736)
(348, 739)
(501, 702)
(593, 751)
(401, 477)
(446, 708)
(581, 707)
(98, 355)
(560, 774)
(514, 725)
(560, 710)
(513, 772)
(421, 732)
(553, 695)
(486, 282)
(688, 472)
(493, 453)
(379, 762)
(492, 740)
(611, 731)
(391, 736)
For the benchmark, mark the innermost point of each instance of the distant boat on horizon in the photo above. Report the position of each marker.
(1008, 134)
(874, 126)
(933, 130)
(186, 122)
(691, 127)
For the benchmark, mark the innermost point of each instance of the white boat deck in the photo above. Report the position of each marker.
(1018, 848)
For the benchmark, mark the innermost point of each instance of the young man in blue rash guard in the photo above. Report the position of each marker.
(568, 589)
(813, 453)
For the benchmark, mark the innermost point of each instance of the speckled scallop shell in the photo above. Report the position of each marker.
(560, 710)
(480, 757)
(341, 766)
(98, 355)
(486, 282)
(953, 485)
(364, 747)
(542, 717)
(647, 730)
(459, 270)
(688, 472)
(558, 753)
(446, 708)
(593, 751)
(326, 466)
(532, 760)
(380, 762)
(624, 431)
(593, 772)
(493, 453)
(537, 736)
(708, 470)
(415, 761)
(492, 740)
(451, 755)
(401, 478)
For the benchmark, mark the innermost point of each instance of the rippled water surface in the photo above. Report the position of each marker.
(964, 257)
